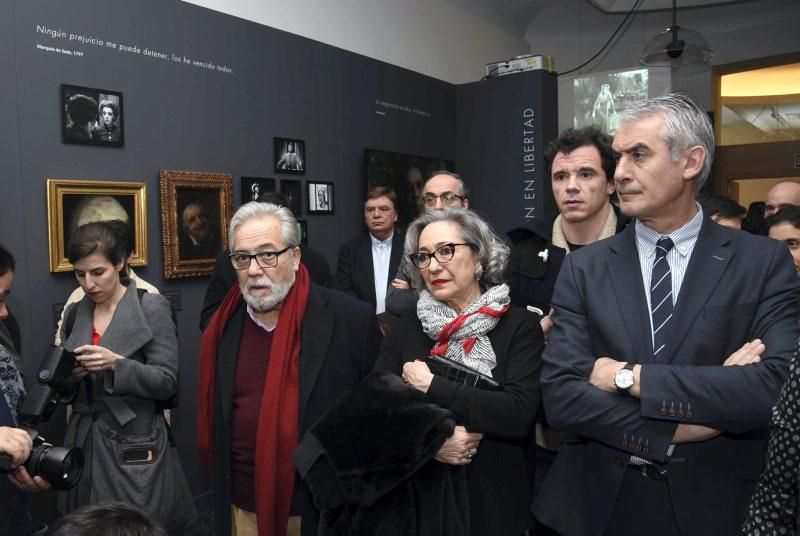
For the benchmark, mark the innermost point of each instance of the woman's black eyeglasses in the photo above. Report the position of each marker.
(442, 254)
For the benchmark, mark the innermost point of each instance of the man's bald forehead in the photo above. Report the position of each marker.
(784, 190)
(443, 183)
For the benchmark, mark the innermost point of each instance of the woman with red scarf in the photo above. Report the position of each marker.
(464, 315)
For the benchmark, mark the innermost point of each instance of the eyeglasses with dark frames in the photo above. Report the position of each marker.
(443, 254)
(448, 198)
(265, 259)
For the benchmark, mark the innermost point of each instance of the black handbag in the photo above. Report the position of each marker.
(461, 374)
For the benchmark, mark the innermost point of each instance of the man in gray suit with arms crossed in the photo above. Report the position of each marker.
(665, 431)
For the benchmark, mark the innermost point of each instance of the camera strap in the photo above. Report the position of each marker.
(69, 323)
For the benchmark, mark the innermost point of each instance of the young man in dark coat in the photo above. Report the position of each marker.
(582, 166)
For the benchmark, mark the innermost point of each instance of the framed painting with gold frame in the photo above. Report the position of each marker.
(195, 211)
(72, 203)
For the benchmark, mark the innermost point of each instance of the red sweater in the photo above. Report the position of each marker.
(248, 387)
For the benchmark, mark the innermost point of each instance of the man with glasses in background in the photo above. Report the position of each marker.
(444, 189)
(276, 355)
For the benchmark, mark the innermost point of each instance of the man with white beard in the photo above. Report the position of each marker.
(276, 354)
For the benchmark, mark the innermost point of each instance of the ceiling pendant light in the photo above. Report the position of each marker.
(676, 46)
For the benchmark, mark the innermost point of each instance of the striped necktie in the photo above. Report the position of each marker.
(661, 296)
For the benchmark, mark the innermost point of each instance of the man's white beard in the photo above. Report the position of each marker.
(263, 304)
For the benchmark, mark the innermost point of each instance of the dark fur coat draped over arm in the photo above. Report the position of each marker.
(369, 464)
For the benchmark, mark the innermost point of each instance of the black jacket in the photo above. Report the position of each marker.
(339, 341)
(499, 495)
(385, 481)
(354, 271)
(535, 262)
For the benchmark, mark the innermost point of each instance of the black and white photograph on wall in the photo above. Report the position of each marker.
(601, 97)
(91, 116)
(290, 156)
(302, 232)
(320, 198)
(254, 187)
(291, 191)
(405, 175)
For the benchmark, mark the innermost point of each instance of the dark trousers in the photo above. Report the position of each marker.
(544, 460)
(643, 507)
(14, 518)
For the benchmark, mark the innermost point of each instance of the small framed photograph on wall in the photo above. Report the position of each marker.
(290, 156)
(254, 187)
(291, 191)
(91, 116)
(320, 197)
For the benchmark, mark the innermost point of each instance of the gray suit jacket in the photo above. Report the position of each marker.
(737, 287)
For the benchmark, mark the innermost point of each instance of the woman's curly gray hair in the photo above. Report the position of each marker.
(491, 251)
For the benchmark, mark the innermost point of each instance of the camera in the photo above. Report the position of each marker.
(61, 467)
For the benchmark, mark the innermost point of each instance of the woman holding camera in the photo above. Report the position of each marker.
(464, 315)
(126, 353)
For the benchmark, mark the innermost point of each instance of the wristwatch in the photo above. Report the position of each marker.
(623, 378)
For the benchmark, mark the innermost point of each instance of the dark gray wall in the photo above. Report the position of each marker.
(182, 117)
(367, 123)
(503, 125)
(187, 118)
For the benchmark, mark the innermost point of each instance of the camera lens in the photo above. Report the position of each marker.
(61, 467)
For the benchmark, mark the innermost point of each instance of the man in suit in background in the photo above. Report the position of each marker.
(368, 263)
(665, 431)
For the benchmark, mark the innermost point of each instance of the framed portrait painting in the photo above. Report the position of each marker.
(91, 116)
(195, 211)
(72, 203)
(320, 197)
(290, 156)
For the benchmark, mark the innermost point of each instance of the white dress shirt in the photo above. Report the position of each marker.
(381, 256)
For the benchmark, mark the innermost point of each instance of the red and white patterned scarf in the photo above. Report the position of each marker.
(463, 337)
